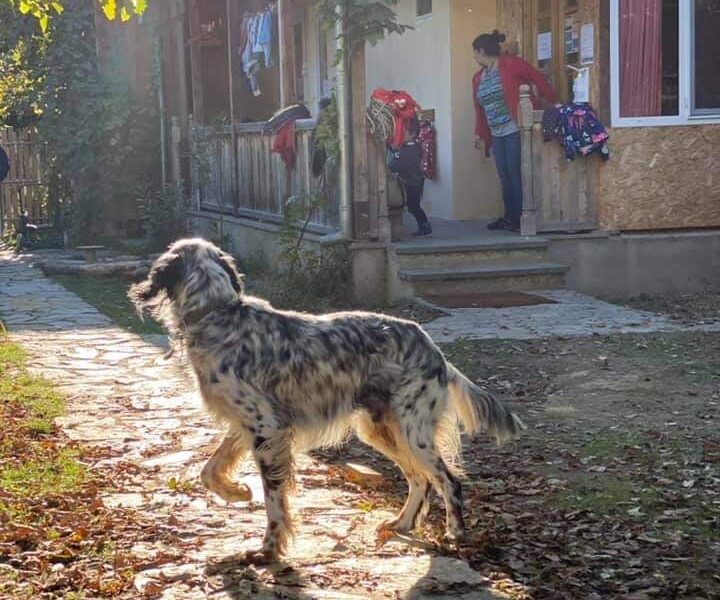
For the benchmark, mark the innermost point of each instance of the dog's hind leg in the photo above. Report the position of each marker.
(383, 435)
(273, 453)
(217, 471)
(419, 424)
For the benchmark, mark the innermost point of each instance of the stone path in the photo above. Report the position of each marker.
(123, 394)
(572, 315)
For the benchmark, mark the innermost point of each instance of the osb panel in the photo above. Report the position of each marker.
(661, 178)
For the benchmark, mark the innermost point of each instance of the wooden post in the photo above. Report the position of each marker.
(384, 224)
(285, 31)
(175, 138)
(364, 220)
(528, 220)
(195, 171)
(195, 63)
(235, 177)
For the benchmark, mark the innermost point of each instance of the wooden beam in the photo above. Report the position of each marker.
(528, 220)
(285, 43)
(195, 64)
(365, 220)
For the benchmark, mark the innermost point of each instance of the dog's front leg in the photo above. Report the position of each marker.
(217, 471)
(273, 453)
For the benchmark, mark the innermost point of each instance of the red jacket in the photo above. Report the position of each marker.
(514, 72)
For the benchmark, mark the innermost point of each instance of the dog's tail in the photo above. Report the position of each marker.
(477, 410)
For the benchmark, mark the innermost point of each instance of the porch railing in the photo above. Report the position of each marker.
(558, 196)
(236, 173)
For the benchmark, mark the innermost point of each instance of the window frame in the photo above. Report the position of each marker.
(423, 16)
(687, 115)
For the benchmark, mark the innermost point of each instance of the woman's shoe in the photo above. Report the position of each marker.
(423, 229)
(501, 223)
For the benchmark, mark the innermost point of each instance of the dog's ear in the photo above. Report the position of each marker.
(165, 274)
(227, 262)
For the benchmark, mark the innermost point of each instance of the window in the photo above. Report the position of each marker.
(706, 57)
(423, 8)
(555, 42)
(665, 60)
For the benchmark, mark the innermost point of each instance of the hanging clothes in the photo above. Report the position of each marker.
(284, 144)
(577, 128)
(427, 139)
(404, 109)
(257, 40)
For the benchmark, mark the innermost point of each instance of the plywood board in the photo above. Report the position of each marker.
(661, 178)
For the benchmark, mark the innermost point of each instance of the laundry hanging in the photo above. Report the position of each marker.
(428, 143)
(256, 43)
(284, 144)
(577, 127)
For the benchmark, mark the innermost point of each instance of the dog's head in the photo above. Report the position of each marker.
(193, 276)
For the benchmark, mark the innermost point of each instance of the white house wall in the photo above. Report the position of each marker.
(419, 63)
(476, 187)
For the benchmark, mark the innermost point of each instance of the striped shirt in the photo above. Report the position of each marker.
(492, 98)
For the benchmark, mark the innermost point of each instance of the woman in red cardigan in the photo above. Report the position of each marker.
(496, 92)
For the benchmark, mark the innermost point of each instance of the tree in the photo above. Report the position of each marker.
(43, 10)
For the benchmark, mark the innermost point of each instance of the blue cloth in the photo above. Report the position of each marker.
(491, 96)
(506, 150)
(264, 37)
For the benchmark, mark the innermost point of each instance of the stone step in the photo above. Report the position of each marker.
(430, 254)
(490, 276)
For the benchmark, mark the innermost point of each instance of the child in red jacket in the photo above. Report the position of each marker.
(496, 93)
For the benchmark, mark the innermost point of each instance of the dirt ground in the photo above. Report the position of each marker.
(614, 491)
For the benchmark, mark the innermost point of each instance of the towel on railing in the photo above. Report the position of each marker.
(284, 144)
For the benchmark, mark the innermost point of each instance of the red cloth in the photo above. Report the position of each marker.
(404, 109)
(284, 144)
(514, 72)
(641, 58)
(428, 143)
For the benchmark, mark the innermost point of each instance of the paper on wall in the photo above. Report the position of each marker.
(544, 45)
(587, 44)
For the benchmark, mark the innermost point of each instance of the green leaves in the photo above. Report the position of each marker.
(365, 20)
(40, 9)
(44, 10)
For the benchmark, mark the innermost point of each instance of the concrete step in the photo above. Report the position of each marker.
(490, 276)
(431, 254)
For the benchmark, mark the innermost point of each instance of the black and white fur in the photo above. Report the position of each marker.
(286, 381)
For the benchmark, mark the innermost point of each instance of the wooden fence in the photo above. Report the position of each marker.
(24, 189)
(253, 181)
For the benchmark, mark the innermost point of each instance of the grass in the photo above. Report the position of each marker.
(109, 296)
(57, 474)
(28, 406)
(38, 402)
(610, 495)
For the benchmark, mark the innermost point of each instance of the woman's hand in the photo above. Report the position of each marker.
(478, 143)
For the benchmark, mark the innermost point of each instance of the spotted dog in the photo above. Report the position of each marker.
(284, 382)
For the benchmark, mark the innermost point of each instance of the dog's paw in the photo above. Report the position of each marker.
(258, 557)
(388, 530)
(233, 492)
(455, 536)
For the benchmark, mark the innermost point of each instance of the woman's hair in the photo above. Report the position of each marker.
(489, 43)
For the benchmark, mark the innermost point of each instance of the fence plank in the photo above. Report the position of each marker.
(264, 185)
(25, 188)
